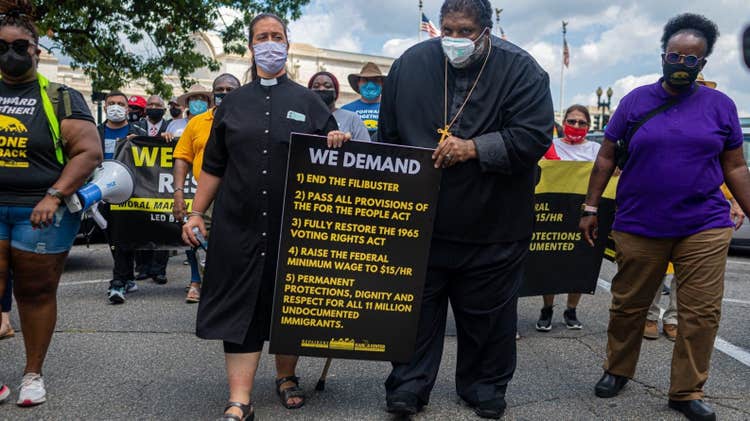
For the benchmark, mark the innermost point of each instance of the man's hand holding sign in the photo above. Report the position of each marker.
(454, 150)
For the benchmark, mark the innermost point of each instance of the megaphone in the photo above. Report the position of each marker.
(112, 182)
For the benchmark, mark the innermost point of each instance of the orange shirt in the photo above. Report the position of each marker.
(193, 141)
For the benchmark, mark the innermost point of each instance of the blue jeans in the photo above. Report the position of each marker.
(56, 238)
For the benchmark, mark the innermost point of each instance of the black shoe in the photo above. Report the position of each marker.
(160, 279)
(141, 276)
(403, 403)
(609, 385)
(493, 409)
(571, 321)
(694, 410)
(116, 295)
(544, 324)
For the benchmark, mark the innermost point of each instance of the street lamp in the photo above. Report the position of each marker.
(603, 106)
(97, 98)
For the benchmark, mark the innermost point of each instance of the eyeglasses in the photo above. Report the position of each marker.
(582, 123)
(689, 60)
(20, 45)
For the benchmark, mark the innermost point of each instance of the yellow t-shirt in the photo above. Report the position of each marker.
(193, 141)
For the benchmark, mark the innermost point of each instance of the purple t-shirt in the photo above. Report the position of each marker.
(670, 185)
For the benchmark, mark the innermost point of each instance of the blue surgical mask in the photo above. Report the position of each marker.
(270, 56)
(370, 90)
(198, 106)
(460, 50)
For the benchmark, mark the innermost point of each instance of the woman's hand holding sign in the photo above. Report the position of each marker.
(589, 226)
(337, 138)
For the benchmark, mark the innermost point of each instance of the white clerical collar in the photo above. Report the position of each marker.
(269, 82)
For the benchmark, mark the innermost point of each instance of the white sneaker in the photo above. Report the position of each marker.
(31, 391)
(4, 393)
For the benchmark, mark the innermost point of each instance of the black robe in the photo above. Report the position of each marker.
(248, 148)
(509, 116)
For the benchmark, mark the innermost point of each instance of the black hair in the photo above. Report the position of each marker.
(226, 77)
(581, 108)
(115, 93)
(19, 13)
(251, 33)
(480, 10)
(692, 23)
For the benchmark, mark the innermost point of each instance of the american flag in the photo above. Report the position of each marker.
(429, 27)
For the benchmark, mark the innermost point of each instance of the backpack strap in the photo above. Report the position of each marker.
(57, 107)
(622, 146)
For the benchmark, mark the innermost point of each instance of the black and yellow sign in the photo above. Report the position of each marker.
(146, 220)
(355, 239)
(560, 260)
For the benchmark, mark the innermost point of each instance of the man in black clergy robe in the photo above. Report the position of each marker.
(493, 135)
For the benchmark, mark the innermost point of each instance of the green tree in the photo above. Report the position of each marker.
(118, 41)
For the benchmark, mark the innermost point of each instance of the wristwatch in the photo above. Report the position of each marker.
(55, 193)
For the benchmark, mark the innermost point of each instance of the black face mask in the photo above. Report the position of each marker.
(680, 77)
(175, 112)
(155, 114)
(218, 98)
(134, 116)
(14, 64)
(328, 96)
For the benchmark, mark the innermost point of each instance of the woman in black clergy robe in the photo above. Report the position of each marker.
(244, 169)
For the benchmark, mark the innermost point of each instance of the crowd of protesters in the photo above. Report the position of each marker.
(486, 113)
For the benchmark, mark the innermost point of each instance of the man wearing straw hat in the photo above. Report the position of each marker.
(197, 100)
(368, 83)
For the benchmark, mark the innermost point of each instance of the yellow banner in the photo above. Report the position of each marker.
(570, 177)
(150, 205)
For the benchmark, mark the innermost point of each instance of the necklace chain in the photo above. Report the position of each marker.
(445, 131)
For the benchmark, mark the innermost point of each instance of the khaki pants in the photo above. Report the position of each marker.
(699, 262)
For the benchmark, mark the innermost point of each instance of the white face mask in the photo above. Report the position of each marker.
(460, 50)
(116, 113)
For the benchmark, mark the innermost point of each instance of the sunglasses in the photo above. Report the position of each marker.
(689, 60)
(582, 123)
(19, 46)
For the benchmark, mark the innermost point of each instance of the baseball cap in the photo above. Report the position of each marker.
(137, 101)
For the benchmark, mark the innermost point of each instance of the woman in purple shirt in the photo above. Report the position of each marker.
(670, 207)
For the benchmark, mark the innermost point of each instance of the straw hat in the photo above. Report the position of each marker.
(707, 83)
(370, 69)
(194, 90)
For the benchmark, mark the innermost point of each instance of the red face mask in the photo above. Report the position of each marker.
(574, 135)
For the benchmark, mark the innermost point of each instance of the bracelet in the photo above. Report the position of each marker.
(587, 208)
(588, 213)
(179, 189)
(196, 213)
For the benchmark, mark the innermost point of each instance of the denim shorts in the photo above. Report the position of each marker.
(54, 239)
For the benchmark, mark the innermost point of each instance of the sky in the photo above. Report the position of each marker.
(612, 43)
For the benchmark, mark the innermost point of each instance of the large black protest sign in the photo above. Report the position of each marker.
(355, 239)
(146, 220)
(560, 260)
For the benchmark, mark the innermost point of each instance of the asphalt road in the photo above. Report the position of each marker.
(142, 361)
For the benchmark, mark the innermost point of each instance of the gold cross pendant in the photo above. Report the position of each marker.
(444, 133)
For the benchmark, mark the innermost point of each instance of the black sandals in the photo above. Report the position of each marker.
(290, 392)
(248, 414)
